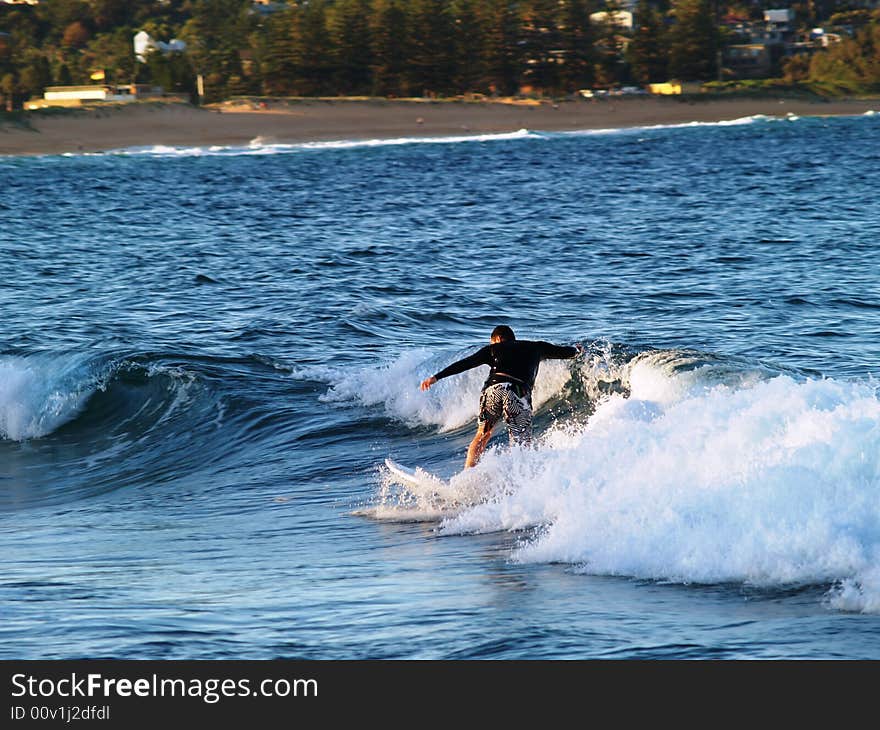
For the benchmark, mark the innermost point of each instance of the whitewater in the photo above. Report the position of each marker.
(691, 472)
(208, 354)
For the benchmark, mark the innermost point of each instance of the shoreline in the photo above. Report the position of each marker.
(116, 127)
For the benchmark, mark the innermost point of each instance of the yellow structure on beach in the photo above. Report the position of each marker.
(668, 88)
(672, 88)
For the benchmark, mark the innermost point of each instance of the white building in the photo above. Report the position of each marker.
(79, 95)
(780, 21)
(82, 93)
(620, 18)
(145, 44)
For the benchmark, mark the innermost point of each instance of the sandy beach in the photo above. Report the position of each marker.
(174, 124)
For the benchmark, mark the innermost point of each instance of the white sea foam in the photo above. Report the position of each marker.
(738, 122)
(40, 393)
(451, 139)
(264, 146)
(425, 499)
(394, 387)
(260, 146)
(773, 483)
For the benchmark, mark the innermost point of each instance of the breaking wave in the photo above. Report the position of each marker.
(673, 466)
(74, 425)
(394, 388)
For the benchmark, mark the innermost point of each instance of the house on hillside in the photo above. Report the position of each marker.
(781, 21)
(758, 45)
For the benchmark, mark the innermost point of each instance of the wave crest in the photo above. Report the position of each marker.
(39, 393)
(261, 146)
(394, 386)
(771, 481)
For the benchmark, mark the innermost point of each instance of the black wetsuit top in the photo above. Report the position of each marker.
(513, 361)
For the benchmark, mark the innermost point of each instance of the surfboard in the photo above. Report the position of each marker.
(420, 482)
(410, 476)
(415, 495)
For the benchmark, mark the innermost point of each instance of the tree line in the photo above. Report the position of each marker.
(393, 48)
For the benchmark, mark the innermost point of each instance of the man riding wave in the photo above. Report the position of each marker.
(507, 392)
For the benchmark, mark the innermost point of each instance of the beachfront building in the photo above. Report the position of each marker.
(72, 96)
(674, 88)
(667, 88)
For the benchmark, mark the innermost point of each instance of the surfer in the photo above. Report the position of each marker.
(507, 392)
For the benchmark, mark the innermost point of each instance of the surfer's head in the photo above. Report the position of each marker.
(502, 333)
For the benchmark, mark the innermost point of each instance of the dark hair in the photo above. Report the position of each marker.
(503, 332)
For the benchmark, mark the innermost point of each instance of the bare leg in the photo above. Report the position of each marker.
(478, 446)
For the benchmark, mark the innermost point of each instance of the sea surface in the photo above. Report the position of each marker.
(207, 354)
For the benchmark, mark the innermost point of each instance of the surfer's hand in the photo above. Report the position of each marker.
(580, 349)
(428, 382)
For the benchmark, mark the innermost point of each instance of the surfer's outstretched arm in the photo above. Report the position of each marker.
(480, 357)
(559, 352)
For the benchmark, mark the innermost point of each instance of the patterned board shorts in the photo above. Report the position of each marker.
(501, 401)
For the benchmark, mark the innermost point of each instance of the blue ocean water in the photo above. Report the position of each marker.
(207, 354)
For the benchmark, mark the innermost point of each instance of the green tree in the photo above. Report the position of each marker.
(275, 53)
(215, 33)
(577, 45)
(237, 86)
(693, 41)
(76, 35)
(543, 44)
(9, 89)
(389, 34)
(313, 51)
(647, 53)
(469, 64)
(796, 69)
(610, 45)
(27, 26)
(61, 14)
(114, 53)
(5, 52)
(431, 50)
(503, 47)
(111, 14)
(174, 73)
(851, 66)
(855, 18)
(64, 77)
(351, 39)
(36, 74)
